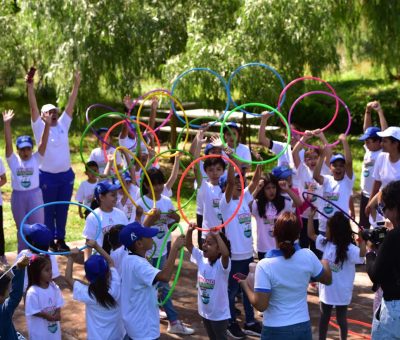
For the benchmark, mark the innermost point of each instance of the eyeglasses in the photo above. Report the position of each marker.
(381, 208)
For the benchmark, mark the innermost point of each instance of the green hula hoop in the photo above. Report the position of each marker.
(265, 106)
(154, 251)
(181, 254)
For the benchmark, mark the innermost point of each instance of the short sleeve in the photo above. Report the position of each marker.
(32, 306)
(115, 284)
(167, 192)
(197, 256)
(317, 268)
(223, 204)
(320, 242)
(2, 168)
(37, 128)
(80, 293)
(90, 229)
(277, 147)
(226, 270)
(92, 156)
(12, 162)
(377, 167)
(65, 120)
(248, 197)
(54, 266)
(262, 282)
(145, 273)
(59, 297)
(354, 254)
(80, 193)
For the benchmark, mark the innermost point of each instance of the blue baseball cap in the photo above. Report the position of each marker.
(24, 142)
(96, 266)
(101, 130)
(135, 231)
(337, 157)
(39, 234)
(370, 132)
(231, 125)
(209, 147)
(127, 176)
(282, 172)
(104, 187)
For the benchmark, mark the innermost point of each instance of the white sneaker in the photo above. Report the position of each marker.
(179, 328)
(163, 315)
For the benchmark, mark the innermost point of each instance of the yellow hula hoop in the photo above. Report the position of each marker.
(145, 173)
(163, 93)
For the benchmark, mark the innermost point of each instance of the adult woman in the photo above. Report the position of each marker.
(383, 268)
(281, 280)
(56, 176)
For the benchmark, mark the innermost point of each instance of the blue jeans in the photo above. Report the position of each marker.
(298, 331)
(241, 266)
(172, 315)
(388, 325)
(56, 187)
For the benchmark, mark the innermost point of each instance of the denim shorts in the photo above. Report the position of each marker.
(298, 331)
(386, 322)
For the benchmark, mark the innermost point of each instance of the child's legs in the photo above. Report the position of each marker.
(317, 252)
(2, 241)
(326, 311)
(341, 318)
(172, 315)
(304, 241)
(216, 330)
(19, 210)
(364, 220)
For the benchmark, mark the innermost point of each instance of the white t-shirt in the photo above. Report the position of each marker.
(43, 300)
(287, 282)
(139, 306)
(211, 195)
(385, 171)
(367, 171)
(164, 204)
(97, 155)
(108, 220)
(2, 172)
(212, 287)
(265, 225)
(24, 174)
(243, 151)
(57, 157)
(129, 208)
(340, 291)
(238, 231)
(54, 266)
(85, 193)
(118, 256)
(339, 193)
(128, 143)
(101, 323)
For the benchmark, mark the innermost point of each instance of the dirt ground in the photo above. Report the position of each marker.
(185, 301)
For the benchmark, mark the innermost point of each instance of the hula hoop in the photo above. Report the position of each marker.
(355, 322)
(154, 251)
(173, 99)
(282, 97)
(150, 162)
(145, 173)
(221, 79)
(305, 194)
(178, 194)
(328, 94)
(221, 133)
(270, 68)
(178, 271)
(57, 203)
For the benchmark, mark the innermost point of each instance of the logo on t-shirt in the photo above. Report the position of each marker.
(205, 285)
(215, 202)
(331, 196)
(25, 182)
(335, 267)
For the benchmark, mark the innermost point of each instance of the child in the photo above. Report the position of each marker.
(105, 194)
(139, 307)
(43, 301)
(3, 180)
(118, 251)
(214, 266)
(342, 255)
(9, 300)
(338, 186)
(85, 191)
(103, 316)
(24, 168)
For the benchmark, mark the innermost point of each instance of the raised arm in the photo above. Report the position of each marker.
(347, 156)
(224, 250)
(310, 226)
(297, 201)
(189, 237)
(35, 114)
(256, 177)
(7, 118)
(230, 181)
(299, 146)
(375, 105)
(93, 244)
(174, 173)
(45, 135)
(262, 138)
(317, 171)
(69, 268)
(166, 273)
(196, 154)
(69, 109)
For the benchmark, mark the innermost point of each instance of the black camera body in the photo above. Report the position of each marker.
(375, 235)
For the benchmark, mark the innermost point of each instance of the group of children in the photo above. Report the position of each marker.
(120, 262)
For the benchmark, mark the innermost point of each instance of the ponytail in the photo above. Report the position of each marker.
(287, 248)
(287, 231)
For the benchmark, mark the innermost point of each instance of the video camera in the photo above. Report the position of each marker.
(375, 235)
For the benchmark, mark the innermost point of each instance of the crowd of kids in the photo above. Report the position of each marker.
(295, 246)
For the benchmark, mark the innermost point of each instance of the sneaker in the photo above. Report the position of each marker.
(53, 246)
(62, 246)
(253, 329)
(235, 331)
(163, 315)
(179, 328)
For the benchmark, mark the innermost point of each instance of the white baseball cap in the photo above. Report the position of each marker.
(48, 107)
(391, 131)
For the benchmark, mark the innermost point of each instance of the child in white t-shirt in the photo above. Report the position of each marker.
(118, 251)
(214, 266)
(85, 193)
(101, 296)
(3, 180)
(338, 249)
(43, 301)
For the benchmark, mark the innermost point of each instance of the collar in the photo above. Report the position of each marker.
(277, 252)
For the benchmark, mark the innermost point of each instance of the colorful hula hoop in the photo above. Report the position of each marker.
(21, 228)
(223, 124)
(181, 254)
(178, 194)
(282, 97)
(355, 322)
(174, 100)
(330, 95)
(221, 79)
(270, 68)
(145, 173)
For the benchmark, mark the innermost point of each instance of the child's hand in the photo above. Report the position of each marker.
(216, 141)
(179, 242)
(110, 158)
(312, 213)
(229, 152)
(8, 115)
(23, 262)
(74, 254)
(155, 214)
(307, 135)
(91, 243)
(373, 106)
(260, 184)
(192, 226)
(256, 155)
(128, 102)
(342, 137)
(139, 212)
(265, 115)
(284, 185)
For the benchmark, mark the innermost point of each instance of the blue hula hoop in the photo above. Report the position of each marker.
(56, 203)
(221, 79)
(270, 68)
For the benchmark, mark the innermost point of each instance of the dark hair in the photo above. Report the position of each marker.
(214, 161)
(278, 201)
(36, 265)
(112, 236)
(99, 290)
(390, 196)
(91, 164)
(156, 177)
(228, 245)
(4, 281)
(286, 231)
(375, 139)
(340, 234)
(395, 140)
(310, 151)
